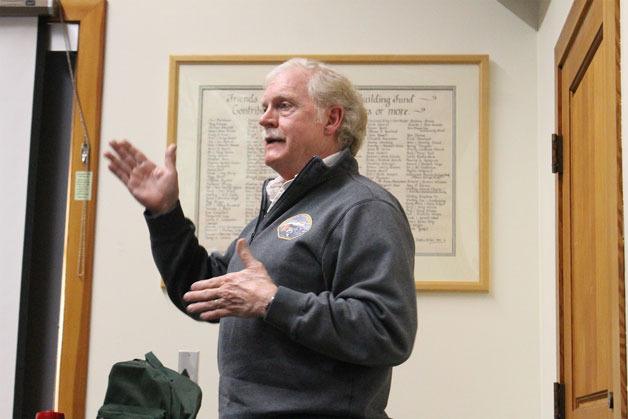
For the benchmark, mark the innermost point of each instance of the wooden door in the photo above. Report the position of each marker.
(590, 214)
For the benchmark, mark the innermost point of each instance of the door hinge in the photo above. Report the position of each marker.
(557, 153)
(559, 401)
(610, 400)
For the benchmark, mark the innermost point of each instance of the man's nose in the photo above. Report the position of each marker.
(268, 118)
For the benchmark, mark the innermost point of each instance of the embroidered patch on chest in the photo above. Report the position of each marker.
(294, 227)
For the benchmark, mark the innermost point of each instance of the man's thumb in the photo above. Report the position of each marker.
(171, 156)
(245, 253)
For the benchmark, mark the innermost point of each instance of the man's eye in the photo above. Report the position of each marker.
(284, 105)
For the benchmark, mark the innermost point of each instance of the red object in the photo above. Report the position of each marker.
(49, 414)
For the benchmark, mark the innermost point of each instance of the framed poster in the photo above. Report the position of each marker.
(426, 142)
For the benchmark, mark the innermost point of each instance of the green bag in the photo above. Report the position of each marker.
(146, 389)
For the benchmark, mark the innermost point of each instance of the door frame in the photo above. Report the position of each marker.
(76, 295)
(608, 30)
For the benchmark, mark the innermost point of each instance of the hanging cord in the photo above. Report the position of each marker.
(85, 146)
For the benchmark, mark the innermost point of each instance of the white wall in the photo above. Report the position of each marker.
(547, 37)
(18, 40)
(476, 356)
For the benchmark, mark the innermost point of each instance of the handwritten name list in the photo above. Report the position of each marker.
(409, 149)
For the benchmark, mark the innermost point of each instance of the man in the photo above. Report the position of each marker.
(316, 297)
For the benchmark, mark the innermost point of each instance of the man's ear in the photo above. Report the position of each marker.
(335, 115)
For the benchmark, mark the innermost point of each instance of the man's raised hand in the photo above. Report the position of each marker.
(155, 187)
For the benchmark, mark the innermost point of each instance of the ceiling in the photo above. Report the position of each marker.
(531, 12)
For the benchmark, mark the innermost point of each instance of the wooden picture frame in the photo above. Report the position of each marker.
(445, 102)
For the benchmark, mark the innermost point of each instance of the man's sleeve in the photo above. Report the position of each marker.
(369, 316)
(180, 259)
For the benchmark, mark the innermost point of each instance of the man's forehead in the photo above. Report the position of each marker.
(289, 83)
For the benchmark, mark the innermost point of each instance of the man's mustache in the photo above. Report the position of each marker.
(275, 133)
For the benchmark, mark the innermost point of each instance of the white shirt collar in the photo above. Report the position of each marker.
(276, 187)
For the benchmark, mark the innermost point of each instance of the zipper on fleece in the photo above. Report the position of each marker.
(262, 209)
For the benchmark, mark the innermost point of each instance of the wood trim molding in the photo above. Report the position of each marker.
(80, 214)
(574, 20)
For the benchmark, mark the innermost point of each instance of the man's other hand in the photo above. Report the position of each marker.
(246, 293)
(155, 187)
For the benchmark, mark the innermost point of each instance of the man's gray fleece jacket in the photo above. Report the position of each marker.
(340, 249)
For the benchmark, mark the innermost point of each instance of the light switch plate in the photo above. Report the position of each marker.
(188, 360)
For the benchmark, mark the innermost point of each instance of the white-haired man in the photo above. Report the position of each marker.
(316, 296)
